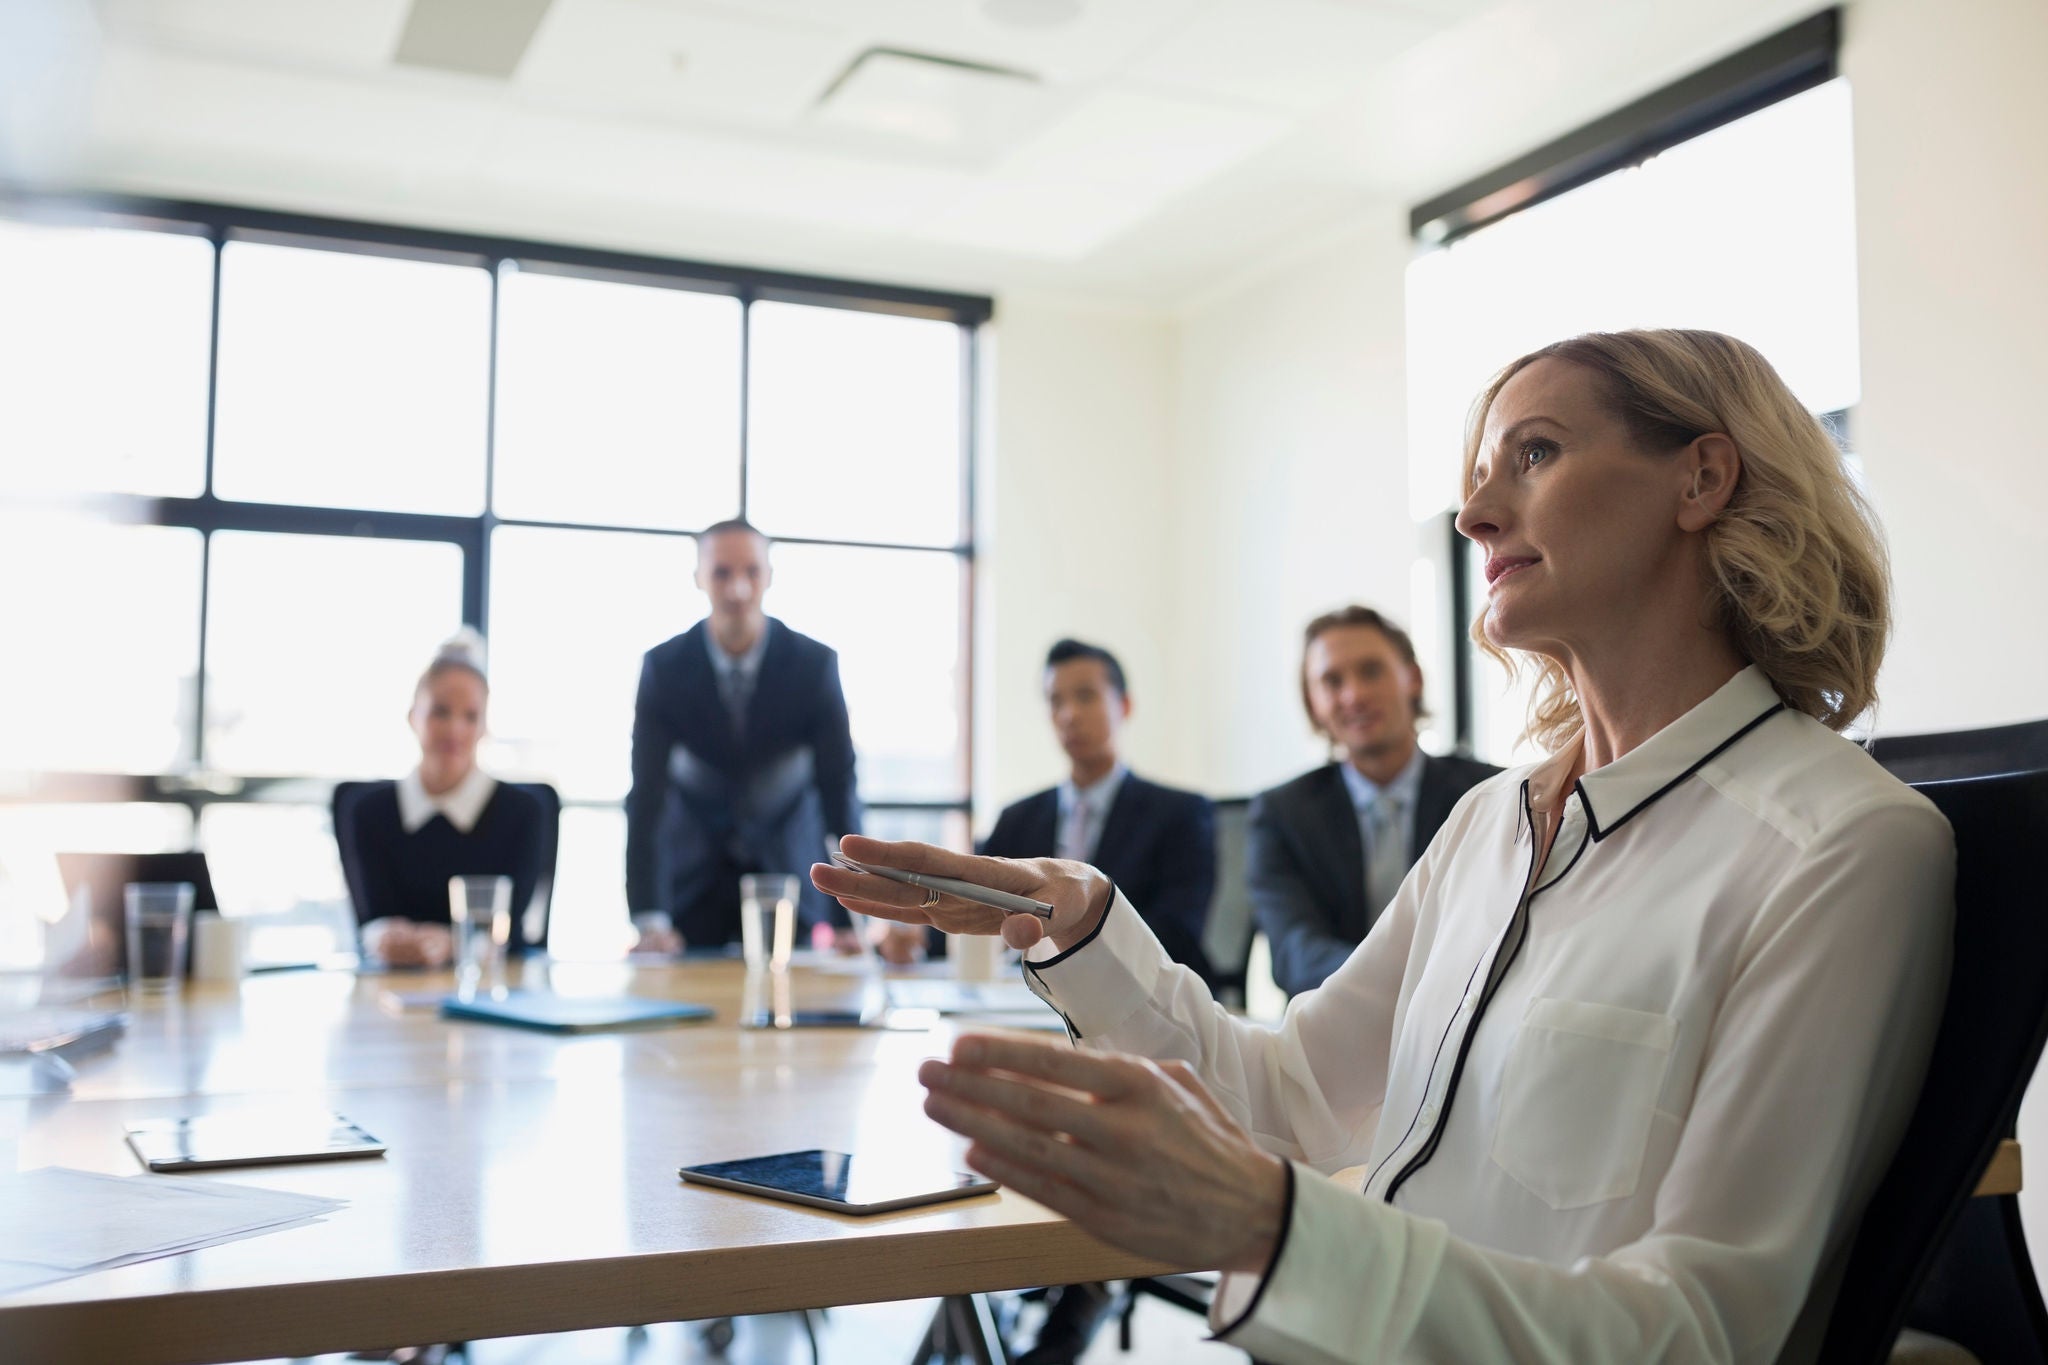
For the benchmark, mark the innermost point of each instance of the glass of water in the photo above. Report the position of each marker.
(159, 931)
(768, 920)
(480, 916)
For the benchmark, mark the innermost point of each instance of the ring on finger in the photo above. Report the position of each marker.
(931, 898)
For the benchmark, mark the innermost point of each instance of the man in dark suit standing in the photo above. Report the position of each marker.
(1326, 852)
(1156, 843)
(742, 755)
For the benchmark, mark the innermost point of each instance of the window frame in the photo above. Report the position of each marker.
(1786, 63)
(196, 785)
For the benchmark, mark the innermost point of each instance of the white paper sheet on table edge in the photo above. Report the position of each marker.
(257, 1211)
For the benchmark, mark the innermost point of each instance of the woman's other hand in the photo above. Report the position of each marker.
(1137, 1152)
(901, 944)
(1078, 893)
(403, 943)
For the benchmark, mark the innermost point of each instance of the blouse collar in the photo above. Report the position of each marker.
(463, 804)
(1615, 793)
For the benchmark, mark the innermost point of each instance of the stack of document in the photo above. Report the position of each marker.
(966, 997)
(995, 1004)
(62, 1223)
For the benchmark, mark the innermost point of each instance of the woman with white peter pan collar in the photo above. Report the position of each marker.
(402, 841)
(1627, 1055)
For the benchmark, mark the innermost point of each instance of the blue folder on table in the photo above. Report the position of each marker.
(573, 1014)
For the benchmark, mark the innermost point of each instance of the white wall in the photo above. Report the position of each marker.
(1077, 535)
(1190, 491)
(1952, 215)
(1290, 437)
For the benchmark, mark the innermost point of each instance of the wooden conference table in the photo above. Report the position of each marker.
(531, 1180)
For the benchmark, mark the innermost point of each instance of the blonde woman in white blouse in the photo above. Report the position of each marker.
(1626, 1057)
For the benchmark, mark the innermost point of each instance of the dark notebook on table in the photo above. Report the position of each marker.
(573, 1014)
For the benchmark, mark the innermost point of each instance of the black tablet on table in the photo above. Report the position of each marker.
(841, 1181)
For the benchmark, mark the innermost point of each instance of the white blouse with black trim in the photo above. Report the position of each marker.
(1625, 1106)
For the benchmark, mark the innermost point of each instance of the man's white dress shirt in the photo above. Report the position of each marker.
(736, 675)
(1628, 1114)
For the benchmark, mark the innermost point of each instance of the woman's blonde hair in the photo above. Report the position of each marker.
(1804, 584)
(464, 650)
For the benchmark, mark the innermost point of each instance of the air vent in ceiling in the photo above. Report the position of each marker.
(939, 103)
(473, 37)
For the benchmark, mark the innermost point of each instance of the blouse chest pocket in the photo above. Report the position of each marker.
(1577, 1097)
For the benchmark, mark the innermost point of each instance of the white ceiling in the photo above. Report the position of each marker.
(1161, 144)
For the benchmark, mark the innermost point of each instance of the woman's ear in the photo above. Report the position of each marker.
(1714, 466)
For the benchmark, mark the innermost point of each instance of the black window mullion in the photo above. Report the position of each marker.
(746, 390)
(476, 564)
(218, 237)
(970, 430)
(199, 670)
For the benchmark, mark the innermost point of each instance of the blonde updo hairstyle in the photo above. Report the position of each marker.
(463, 650)
(1801, 578)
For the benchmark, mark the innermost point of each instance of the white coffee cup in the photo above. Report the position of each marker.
(218, 947)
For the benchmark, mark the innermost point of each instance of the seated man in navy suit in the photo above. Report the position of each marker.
(742, 755)
(1148, 838)
(1326, 852)
(1156, 843)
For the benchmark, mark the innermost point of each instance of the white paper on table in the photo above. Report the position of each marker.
(58, 1222)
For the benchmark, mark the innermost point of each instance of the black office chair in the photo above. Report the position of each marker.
(1945, 757)
(99, 880)
(1928, 1254)
(534, 925)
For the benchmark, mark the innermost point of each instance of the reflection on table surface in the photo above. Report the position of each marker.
(533, 1173)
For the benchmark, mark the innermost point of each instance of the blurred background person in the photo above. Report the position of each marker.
(1141, 833)
(1326, 851)
(401, 841)
(742, 755)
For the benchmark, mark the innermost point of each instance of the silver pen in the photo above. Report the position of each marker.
(952, 886)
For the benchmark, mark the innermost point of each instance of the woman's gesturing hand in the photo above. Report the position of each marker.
(1139, 1153)
(1077, 892)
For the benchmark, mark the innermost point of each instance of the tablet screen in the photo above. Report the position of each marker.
(839, 1180)
(263, 1138)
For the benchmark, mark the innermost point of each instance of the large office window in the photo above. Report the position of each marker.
(254, 468)
(1748, 229)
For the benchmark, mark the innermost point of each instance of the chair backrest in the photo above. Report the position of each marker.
(1991, 1034)
(96, 883)
(1955, 754)
(341, 798)
(1227, 937)
(534, 926)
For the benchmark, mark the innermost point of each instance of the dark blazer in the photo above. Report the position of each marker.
(1158, 845)
(708, 805)
(392, 873)
(1305, 862)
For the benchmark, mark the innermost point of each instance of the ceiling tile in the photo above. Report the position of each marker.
(1143, 142)
(1105, 37)
(333, 34)
(704, 66)
(1295, 55)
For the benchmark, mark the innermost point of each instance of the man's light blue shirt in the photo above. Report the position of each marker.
(1406, 787)
(1100, 796)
